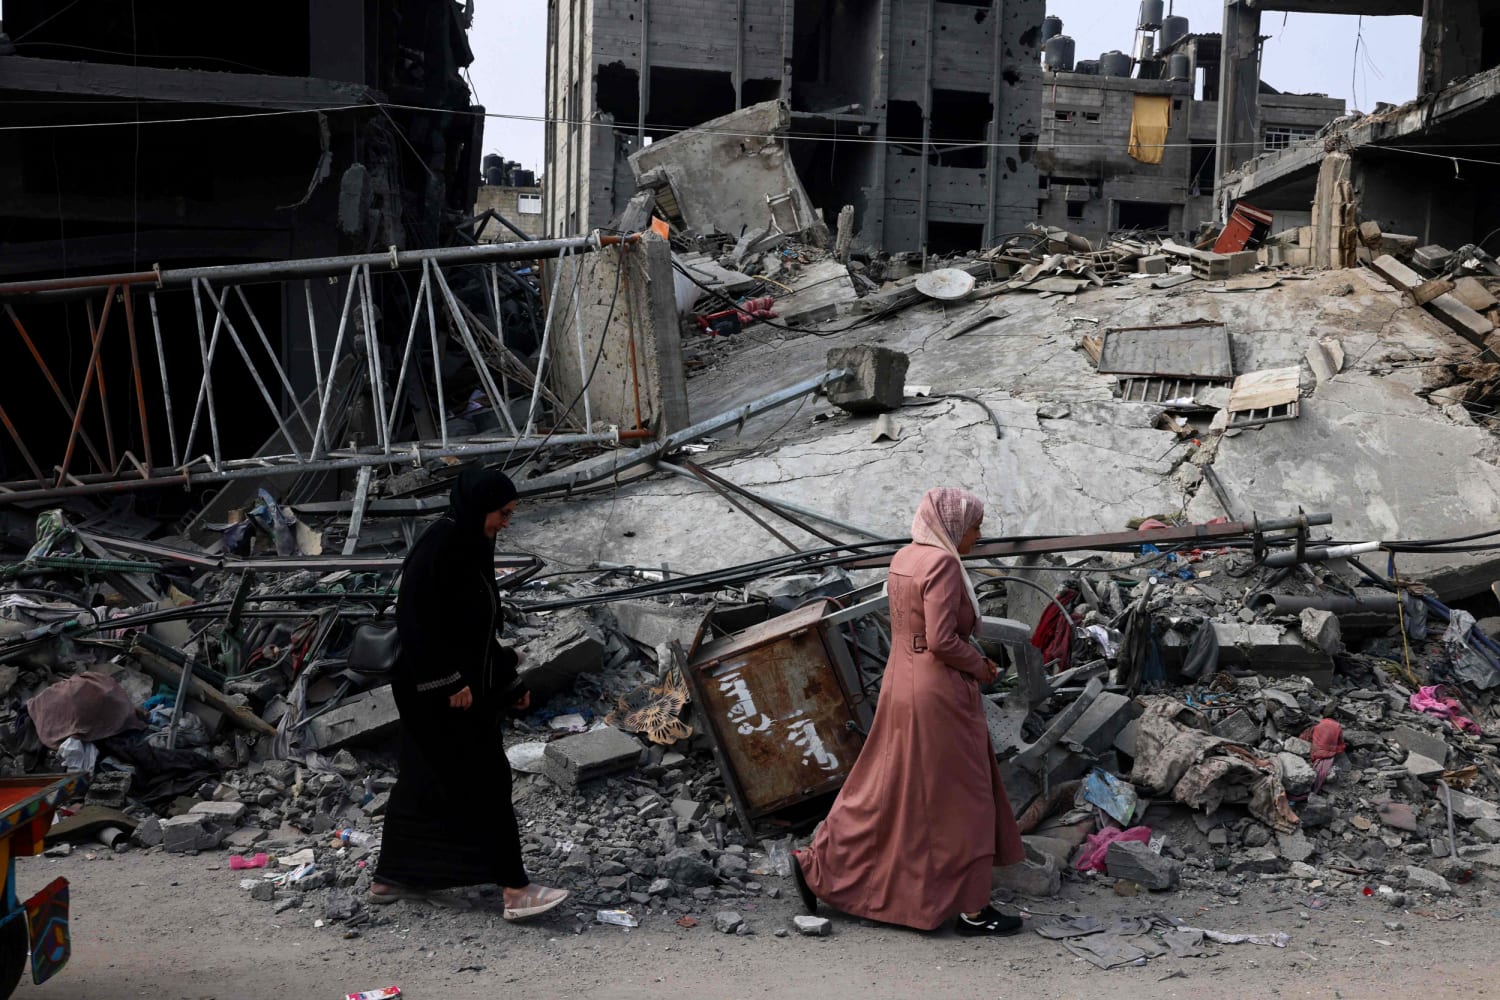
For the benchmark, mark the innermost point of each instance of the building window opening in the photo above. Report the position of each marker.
(953, 237)
(1075, 209)
(960, 119)
(1282, 136)
(1144, 216)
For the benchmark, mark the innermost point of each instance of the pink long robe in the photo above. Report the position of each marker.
(923, 818)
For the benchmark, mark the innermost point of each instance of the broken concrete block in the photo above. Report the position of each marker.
(1369, 233)
(876, 382)
(1135, 861)
(1423, 768)
(687, 867)
(1486, 829)
(369, 717)
(1096, 729)
(728, 922)
(149, 833)
(813, 926)
(1272, 652)
(688, 810)
(554, 663)
(1297, 776)
(1426, 881)
(1397, 815)
(1432, 257)
(1125, 741)
(1155, 264)
(1038, 875)
(263, 892)
(654, 625)
(1472, 293)
(190, 832)
(1295, 846)
(1469, 807)
(1321, 628)
(222, 813)
(575, 759)
(1420, 741)
(1239, 726)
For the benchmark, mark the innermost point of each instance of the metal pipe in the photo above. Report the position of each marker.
(694, 471)
(52, 381)
(265, 341)
(411, 343)
(372, 349)
(608, 465)
(260, 384)
(109, 424)
(21, 446)
(1339, 604)
(135, 367)
(166, 387)
(471, 344)
(583, 371)
(314, 267)
(541, 357)
(83, 396)
(437, 364)
(206, 350)
(333, 360)
(1321, 553)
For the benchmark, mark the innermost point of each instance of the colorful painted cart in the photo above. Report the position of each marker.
(40, 925)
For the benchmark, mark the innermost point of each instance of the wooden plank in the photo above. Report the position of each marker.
(171, 673)
(1264, 390)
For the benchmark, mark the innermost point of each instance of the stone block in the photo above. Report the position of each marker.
(1038, 875)
(1420, 741)
(1295, 846)
(1125, 741)
(1486, 829)
(595, 754)
(728, 922)
(1155, 264)
(689, 868)
(813, 926)
(1321, 628)
(222, 813)
(1297, 775)
(555, 662)
(1423, 768)
(652, 625)
(688, 809)
(1135, 861)
(190, 832)
(1426, 881)
(876, 382)
(366, 718)
(1469, 807)
(149, 833)
(1239, 726)
(1096, 729)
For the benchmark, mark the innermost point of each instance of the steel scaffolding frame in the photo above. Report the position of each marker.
(306, 427)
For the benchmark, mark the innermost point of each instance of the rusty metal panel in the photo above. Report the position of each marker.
(778, 712)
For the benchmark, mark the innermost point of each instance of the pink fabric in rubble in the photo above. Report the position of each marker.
(1434, 701)
(1091, 857)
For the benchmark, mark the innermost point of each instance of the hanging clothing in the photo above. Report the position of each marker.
(450, 821)
(923, 818)
(1149, 124)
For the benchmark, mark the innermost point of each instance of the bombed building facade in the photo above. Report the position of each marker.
(921, 114)
(1129, 141)
(1420, 170)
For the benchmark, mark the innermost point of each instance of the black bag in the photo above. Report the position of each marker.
(374, 650)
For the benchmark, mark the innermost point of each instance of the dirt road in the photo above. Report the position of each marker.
(180, 928)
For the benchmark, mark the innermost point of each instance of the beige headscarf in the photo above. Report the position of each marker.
(944, 516)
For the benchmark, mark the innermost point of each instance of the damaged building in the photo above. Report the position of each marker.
(923, 115)
(1129, 141)
(1421, 170)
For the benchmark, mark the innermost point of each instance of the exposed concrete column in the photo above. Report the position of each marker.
(639, 352)
(1452, 42)
(1239, 91)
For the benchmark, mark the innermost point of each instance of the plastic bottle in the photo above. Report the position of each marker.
(349, 835)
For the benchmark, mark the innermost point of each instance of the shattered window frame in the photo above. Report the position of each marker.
(1278, 137)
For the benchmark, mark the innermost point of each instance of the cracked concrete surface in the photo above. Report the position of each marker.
(1385, 461)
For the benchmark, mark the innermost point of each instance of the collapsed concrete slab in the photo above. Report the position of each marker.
(367, 718)
(734, 174)
(555, 662)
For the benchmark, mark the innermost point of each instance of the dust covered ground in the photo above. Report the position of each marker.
(180, 928)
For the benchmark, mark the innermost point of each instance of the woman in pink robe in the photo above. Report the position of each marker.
(923, 819)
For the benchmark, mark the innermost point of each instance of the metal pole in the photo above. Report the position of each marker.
(472, 346)
(135, 367)
(21, 446)
(265, 342)
(52, 381)
(166, 388)
(411, 342)
(541, 358)
(207, 349)
(250, 364)
(437, 365)
(338, 346)
(377, 372)
(583, 369)
(312, 333)
(499, 332)
(83, 397)
(109, 426)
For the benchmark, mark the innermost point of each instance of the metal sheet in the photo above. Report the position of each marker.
(1188, 350)
(778, 711)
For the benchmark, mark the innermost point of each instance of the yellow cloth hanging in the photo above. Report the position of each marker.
(1148, 127)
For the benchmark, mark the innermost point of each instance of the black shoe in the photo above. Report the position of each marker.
(990, 923)
(809, 901)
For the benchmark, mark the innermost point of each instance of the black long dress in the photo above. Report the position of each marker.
(449, 821)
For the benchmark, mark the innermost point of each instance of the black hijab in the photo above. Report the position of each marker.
(476, 493)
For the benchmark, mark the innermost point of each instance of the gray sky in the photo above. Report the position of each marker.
(1306, 53)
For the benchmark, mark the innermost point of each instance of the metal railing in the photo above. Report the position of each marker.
(307, 428)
